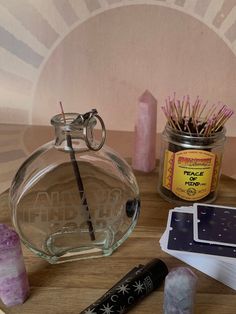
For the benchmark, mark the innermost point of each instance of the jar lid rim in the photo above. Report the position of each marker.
(194, 135)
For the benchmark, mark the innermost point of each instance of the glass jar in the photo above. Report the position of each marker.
(72, 198)
(190, 166)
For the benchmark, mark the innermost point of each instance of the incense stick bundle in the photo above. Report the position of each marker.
(196, 118)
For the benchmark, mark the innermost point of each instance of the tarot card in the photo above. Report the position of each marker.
(221, 269)
(180, 238)
(215, 224)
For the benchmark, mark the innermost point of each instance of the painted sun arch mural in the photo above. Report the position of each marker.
(30, 31)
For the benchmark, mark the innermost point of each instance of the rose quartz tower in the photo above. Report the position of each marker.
(144, 155)
(14, 286)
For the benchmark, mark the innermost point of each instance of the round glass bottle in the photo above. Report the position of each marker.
(72, 199)
(190, 166)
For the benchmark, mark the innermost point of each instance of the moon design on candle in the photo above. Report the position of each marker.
(138, 271)
(130, 300)
(114, 298)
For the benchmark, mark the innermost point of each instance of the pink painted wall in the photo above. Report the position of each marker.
(105, 53)
(110, 59)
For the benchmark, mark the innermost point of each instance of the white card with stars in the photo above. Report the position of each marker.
(214, 224)
(180, 237)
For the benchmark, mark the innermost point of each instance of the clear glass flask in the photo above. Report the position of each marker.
(74, 198)
(190, 166)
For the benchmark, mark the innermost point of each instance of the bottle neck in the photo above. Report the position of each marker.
(75, 132)
(68, 139)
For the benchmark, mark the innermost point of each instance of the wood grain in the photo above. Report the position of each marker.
(69, 288)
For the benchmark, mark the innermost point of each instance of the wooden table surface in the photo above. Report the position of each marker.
(71, 287)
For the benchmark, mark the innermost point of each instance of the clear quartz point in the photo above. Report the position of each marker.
(179, 291)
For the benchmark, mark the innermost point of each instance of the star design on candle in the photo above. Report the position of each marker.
(138, 287)
(107, 309)
(123, 289)
(90, 311)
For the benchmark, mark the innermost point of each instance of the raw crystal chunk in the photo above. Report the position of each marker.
(14, 286)
(179, 292)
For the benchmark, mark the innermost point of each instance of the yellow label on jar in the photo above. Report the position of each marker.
(189, 173)
(216, 174)
(168, 169)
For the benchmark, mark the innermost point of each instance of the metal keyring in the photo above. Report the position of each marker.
(93, 114)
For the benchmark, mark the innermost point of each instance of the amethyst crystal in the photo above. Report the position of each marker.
(14, 286)
(180, 288)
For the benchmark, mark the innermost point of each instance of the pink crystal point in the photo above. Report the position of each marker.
(179, 291)
(144, 155)
(14, 286)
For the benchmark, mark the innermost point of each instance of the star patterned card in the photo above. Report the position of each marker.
(215, 224)
(180, 227)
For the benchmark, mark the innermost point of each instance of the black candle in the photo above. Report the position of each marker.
(132, 288)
